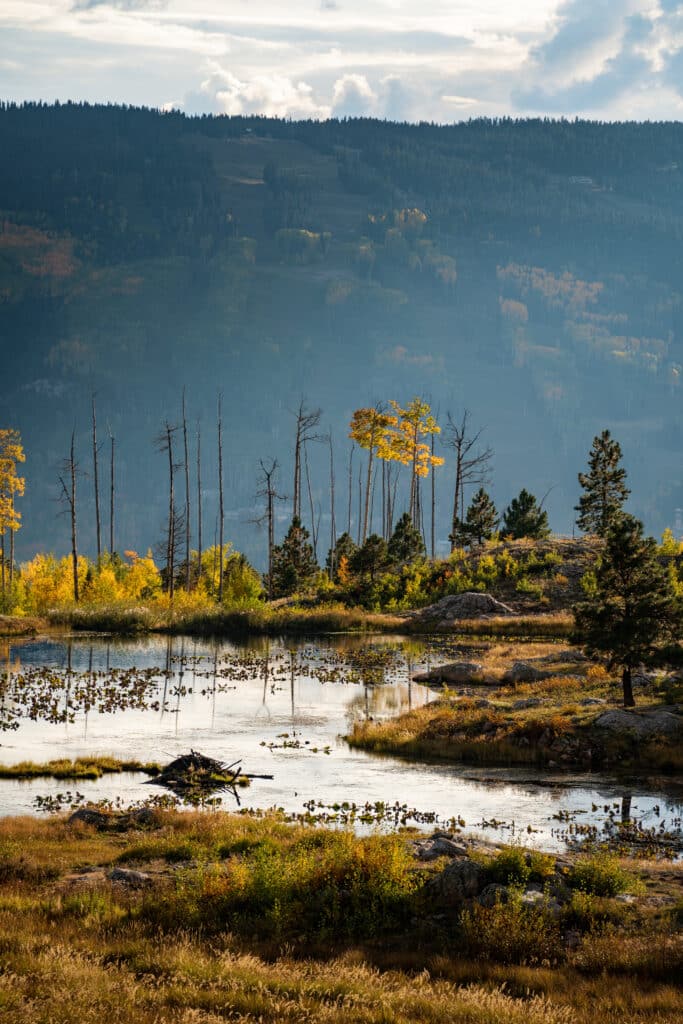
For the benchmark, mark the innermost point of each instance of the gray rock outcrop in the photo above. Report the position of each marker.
(470, 605)
(643, 724)
(453, 672)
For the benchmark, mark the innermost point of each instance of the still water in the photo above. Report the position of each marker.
(283, 709)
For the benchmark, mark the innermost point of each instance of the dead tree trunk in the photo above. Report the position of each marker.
(314, 528)
(199, 503)
(187, 499)
(333, 524)
(348, 527)
(268, 492)
(221, 513)
(433, 537)
(306, 422)
(111, 496)
(69, 496)
(96, 483)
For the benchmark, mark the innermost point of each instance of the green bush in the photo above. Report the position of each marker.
(511, 933)
(600, 875)
(513, 865)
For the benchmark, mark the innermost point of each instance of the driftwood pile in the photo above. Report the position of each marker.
(195, 776)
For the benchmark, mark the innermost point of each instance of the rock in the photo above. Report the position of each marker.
(439, 846)
(625, 897)
(524, 672)
(453, 672)
(114, 822)
(492, 894)
(470, 605)
(572, 939)
(532, 898)
(643, 678)
(459, 881)
(588, 701)
(568, 655)
(89, 816)
(135, 879)
(642, 724)
(530, 702)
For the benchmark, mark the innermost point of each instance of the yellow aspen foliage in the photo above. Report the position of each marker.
(142, 579)
(48, 582)
(11, 484)
(343, 572)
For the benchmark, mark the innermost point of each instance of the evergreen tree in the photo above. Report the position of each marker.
(604, 487)
(346, 548)
(631, 610)
(524, 518)
(371, 557)
(294, 566)
(405, 544)
(481, 518)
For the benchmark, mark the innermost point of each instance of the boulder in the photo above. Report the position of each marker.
(135, 879)
(529, 702)
(525, 672)
(439, 846)
(453, 672)
(492, 894)
(459, 881)
(643, 724)
(470, 605)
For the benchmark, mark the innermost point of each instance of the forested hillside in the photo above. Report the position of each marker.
(529, 271)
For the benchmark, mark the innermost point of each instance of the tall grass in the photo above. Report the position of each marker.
(212, 938)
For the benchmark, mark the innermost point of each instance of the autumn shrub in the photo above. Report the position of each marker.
(514, 865)
(340, 888)
(511, 933)
(600, 874)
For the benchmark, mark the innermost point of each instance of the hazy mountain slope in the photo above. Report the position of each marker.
(529, 271)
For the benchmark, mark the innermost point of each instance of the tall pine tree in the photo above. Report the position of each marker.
(525, 518)
(294, 565)
(481, 517)
(605, 490)
(632, 610)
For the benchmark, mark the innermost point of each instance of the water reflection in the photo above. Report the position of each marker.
(282, 709)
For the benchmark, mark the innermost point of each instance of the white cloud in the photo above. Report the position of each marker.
(352, 96)
(385, 58)
(273, 95)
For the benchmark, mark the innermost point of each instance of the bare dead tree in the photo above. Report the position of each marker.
(306, 422)
(348, 528)
(96, 482)
(333, 523)
(472, 464)
(268, 492)
(112, 491)
(221, 511)
(433, 503)
(360, 503)
(314, 526)
(70, 470)
(187, 499)
(164, 443)
(199, 502)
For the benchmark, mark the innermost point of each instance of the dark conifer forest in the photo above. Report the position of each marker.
(528, 271)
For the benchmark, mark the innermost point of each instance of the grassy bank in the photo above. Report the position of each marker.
(291, 619)
(21, 625)
(228, 917)
(548, 721)
(79, 768)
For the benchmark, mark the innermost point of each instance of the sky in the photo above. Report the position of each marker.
(402, 60)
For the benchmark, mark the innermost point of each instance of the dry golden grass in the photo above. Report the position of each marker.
(73, 953)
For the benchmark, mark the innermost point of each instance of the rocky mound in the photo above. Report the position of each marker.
(470, 605)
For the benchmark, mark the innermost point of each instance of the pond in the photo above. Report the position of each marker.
(283, 709)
